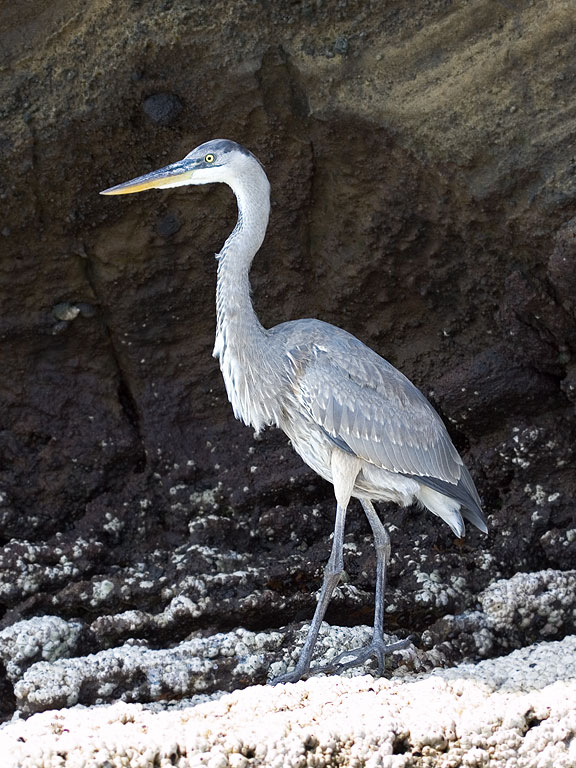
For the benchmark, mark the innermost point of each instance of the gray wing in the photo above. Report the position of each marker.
(367, 406)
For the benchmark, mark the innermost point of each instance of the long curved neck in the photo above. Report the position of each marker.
(237, 323)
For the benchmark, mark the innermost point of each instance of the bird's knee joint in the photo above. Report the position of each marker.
(384, 550)
(333, 570)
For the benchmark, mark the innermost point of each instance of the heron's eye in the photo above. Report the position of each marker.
(209, 158)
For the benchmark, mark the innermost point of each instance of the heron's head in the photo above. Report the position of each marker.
(217, 160)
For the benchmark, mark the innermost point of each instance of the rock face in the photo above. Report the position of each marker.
(516, 711)
(46, 671)
(421, 159)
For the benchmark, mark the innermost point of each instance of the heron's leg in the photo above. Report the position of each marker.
(383, 549)
(332, 573)
(344, 471)
(377, 647)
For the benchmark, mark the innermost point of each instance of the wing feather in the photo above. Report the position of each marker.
(360, 399)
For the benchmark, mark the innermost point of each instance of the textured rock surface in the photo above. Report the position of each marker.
(527, 608)
(421, 157)
(516, 711)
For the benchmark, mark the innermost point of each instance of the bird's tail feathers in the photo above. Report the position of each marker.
(464, 495)
(444, 507)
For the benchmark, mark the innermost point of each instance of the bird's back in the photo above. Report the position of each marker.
(340, 392)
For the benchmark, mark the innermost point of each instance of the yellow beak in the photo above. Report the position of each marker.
(169, 176)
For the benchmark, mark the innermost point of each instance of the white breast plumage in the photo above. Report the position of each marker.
(245, 393)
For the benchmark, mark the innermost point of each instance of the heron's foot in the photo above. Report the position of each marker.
(298, 673)
(377, 649)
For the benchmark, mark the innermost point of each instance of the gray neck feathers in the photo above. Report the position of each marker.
(237, 323)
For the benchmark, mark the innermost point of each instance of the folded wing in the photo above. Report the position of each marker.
(366, 405)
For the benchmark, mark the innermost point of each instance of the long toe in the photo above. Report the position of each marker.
(290, 677)
(377, 649)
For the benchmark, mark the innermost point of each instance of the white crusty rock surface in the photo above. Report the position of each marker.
(517, 711)
(40, 659)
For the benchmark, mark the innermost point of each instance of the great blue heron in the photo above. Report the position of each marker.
(353, 417)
